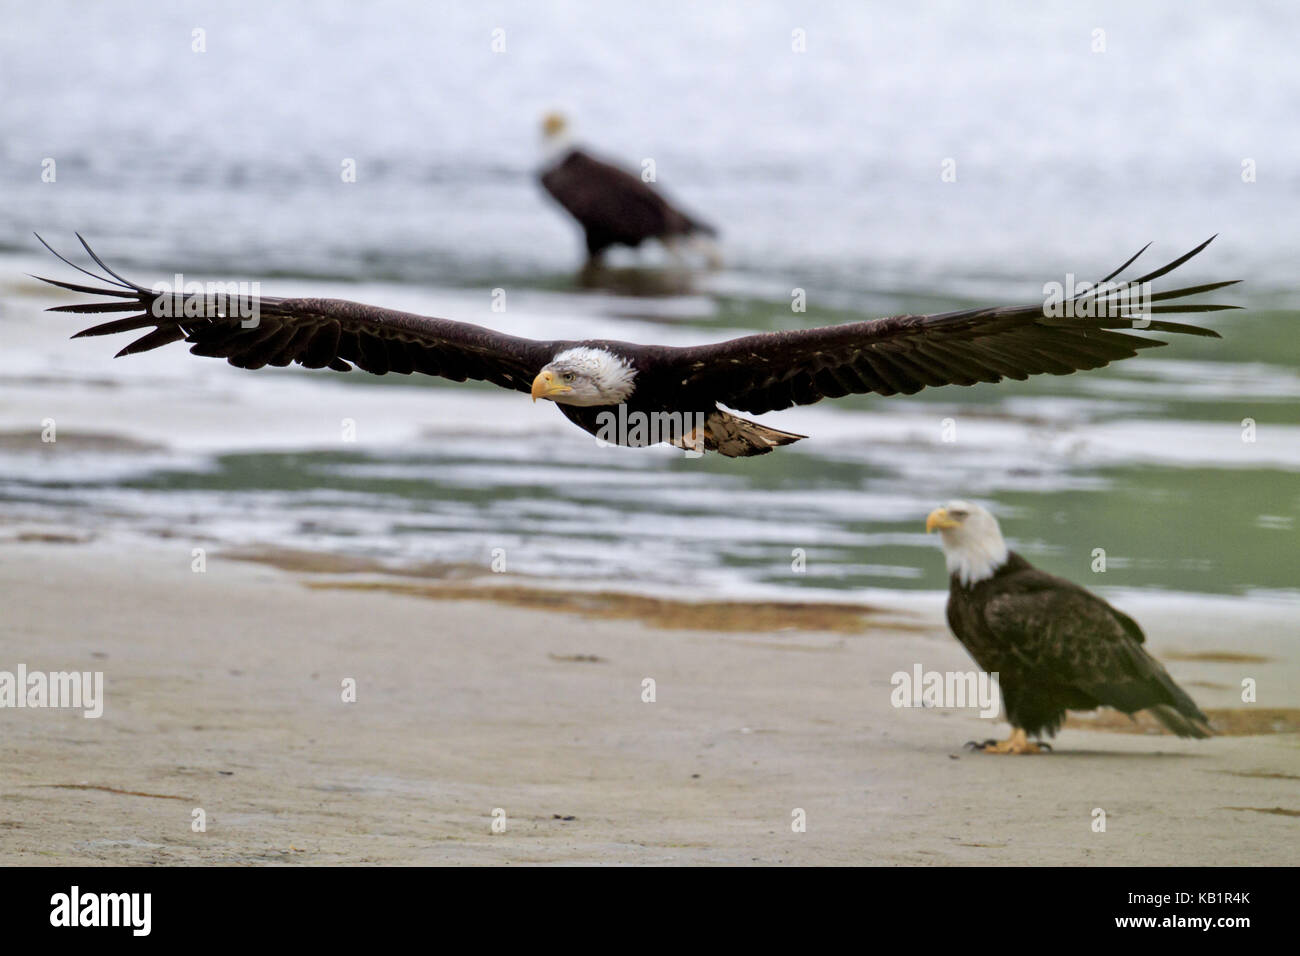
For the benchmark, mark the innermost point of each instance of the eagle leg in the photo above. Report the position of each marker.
(1017, 743)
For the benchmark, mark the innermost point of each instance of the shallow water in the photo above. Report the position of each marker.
(821, 168)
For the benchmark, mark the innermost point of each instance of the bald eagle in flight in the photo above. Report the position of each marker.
(661, 393)
(613, 206)
(1056, 646)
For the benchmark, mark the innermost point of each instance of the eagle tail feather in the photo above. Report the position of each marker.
(737, 437)
(1183, 724)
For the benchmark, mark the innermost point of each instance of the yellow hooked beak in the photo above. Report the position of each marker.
(546, 386)
(938, 518)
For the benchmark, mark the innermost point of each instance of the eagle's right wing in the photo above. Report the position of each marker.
(254, 331)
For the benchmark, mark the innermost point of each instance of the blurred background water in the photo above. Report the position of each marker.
(822, 169)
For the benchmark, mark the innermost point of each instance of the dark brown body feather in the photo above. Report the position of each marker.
(613, 206)
(1057, 646)
(756, 373)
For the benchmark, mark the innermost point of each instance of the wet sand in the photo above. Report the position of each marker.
(223, 692)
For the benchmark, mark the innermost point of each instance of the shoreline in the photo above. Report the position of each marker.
(223, 694)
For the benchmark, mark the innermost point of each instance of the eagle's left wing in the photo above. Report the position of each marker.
(905, 353)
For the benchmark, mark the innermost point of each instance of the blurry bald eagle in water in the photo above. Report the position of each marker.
(677, 395)
(613, 206)
(1054, 645)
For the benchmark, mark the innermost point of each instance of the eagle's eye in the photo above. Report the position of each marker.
(569, 376)
(959, 515)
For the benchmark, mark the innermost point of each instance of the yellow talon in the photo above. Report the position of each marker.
(1017, 743)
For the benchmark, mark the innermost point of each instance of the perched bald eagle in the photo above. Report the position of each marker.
(613, 206)
(638, 395)
(1056, 646)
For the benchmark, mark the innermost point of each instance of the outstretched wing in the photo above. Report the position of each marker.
(1054, 627)
(905, 353)
(254, 331)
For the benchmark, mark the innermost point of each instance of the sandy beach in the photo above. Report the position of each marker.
(223, 692)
